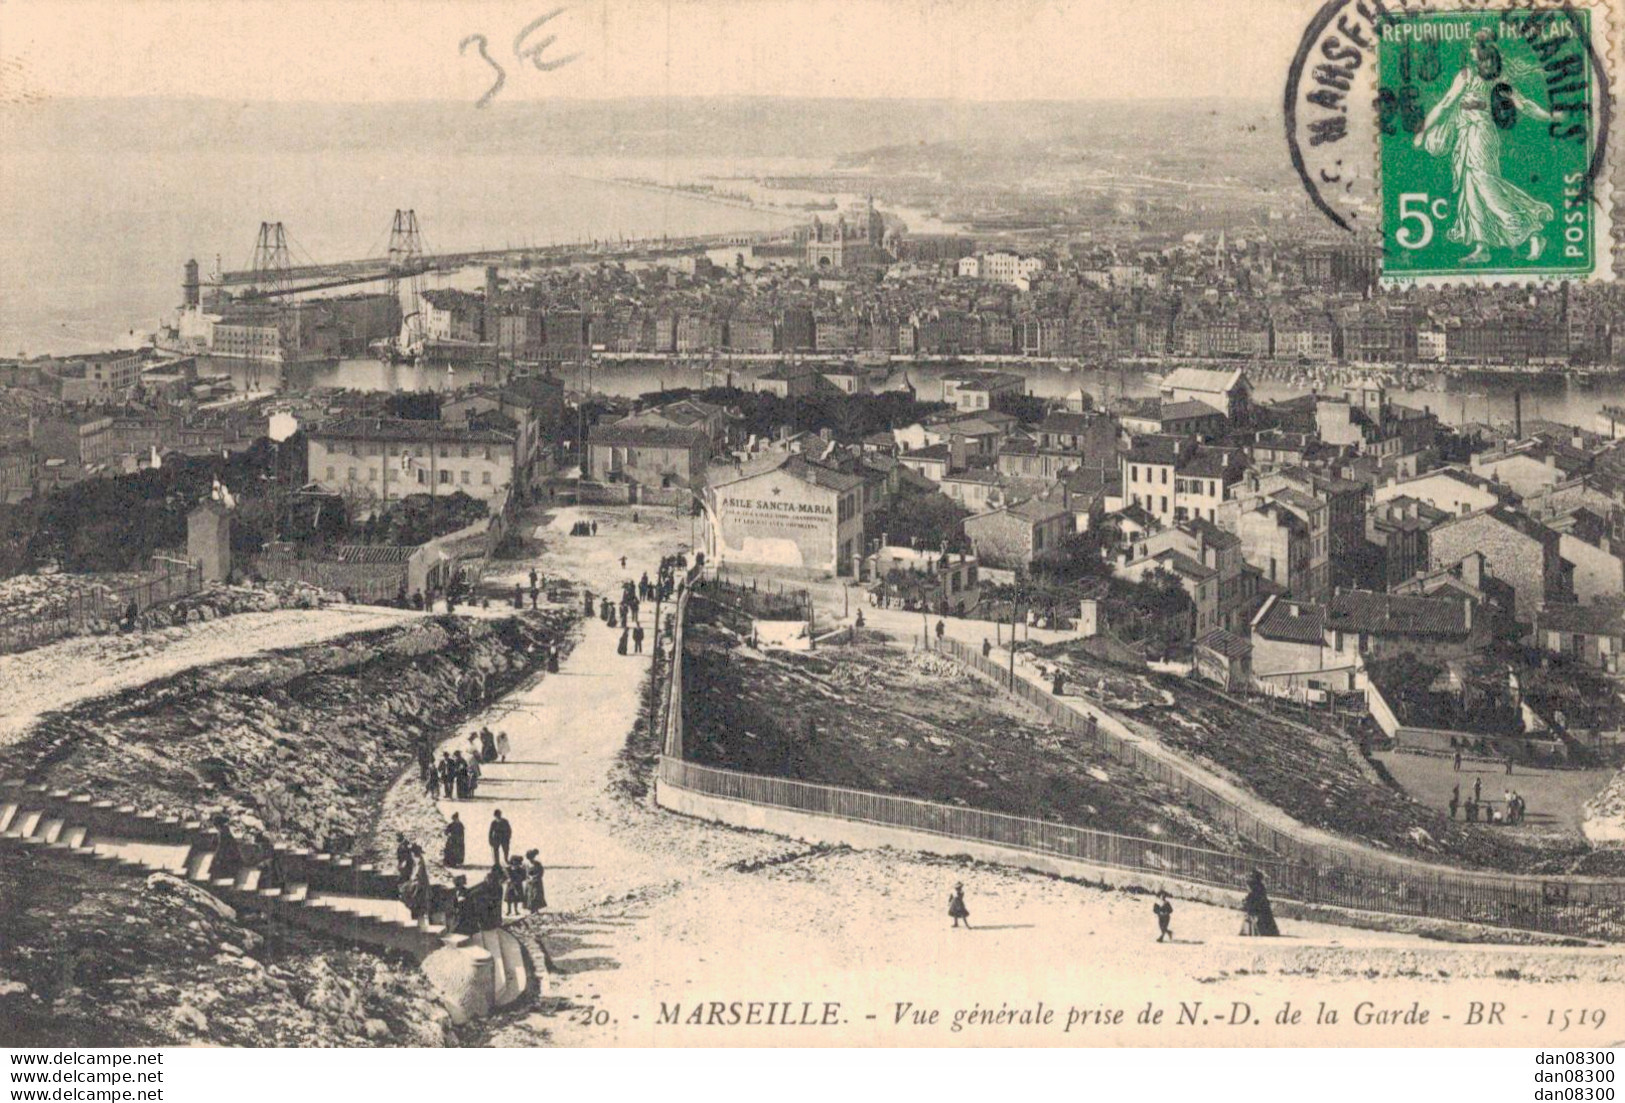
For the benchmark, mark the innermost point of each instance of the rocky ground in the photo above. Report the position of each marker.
(90, 957)
(61, 674)
(1318, 783)
(303, 742)
(915, 724)
(1604, 815)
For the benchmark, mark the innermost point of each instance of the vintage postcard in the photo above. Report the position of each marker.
(746, 523)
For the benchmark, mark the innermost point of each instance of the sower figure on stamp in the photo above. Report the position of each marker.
(1491, 212)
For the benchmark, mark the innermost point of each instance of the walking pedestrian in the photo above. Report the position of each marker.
(474, 772)
(451, 854)
(1509, 765)
(1478, 790)
(956, 906)
(533, 578)
(448, 774)
(1458, 760)
(403, 858)
(535, 595)
(502, 746)
(1455, 799)
(459, 775)
(623, 562)
(637, 639)
(1164, 910)
(552, 658)
(488, 745)
(987, 648)
(500, 836)
(620, 648)
(595, 528)
(941, 628)
(1260, 916)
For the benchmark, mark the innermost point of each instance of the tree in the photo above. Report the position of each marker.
(414, 405)
(924, 520)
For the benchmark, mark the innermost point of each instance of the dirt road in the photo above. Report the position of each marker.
(651, 912)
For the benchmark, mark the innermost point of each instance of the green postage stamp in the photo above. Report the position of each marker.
(1492, 129)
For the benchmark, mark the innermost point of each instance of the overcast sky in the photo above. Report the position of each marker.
(383, 50)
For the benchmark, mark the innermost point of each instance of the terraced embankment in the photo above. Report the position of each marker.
(302, 743)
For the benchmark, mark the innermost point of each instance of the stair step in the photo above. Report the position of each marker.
(50, 829)
(74, 837)
(199, 863)
(249, 880)
(223, 882)
(271, 894)
(24, 824)
(297, 892)
(8, 812)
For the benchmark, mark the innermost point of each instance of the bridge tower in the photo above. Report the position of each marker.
(272, 280)
(406, 260)
(272, 260)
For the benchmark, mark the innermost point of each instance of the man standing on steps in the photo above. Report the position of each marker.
(501, 836)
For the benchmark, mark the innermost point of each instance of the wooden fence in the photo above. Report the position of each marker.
(1302, 869)
(98, 604)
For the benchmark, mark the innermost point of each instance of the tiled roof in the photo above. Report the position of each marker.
(1202, 379)
(1390, 615)
(1038, 509)
(1591, 620)
(1180, 563)
(646, 436)
(406, 429)
(1292, 622)
(1206, 463)
(1187, 409)
(1228, 644)
(1068, 424)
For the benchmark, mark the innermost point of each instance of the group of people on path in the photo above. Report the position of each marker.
(513, 887)
(626, 614)
(1259, 921)
(1475, 809)
(456, 776)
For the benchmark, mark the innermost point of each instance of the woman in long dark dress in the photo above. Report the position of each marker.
(452, 853)
(488, 745)
(460, 775)
(491, 898)
(403, 858)
(620, 648)
(956, 906)
(535, 893)
(1260, 916)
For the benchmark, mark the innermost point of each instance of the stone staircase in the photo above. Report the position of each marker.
(352, 903)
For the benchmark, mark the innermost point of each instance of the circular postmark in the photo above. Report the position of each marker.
(1464, 135)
